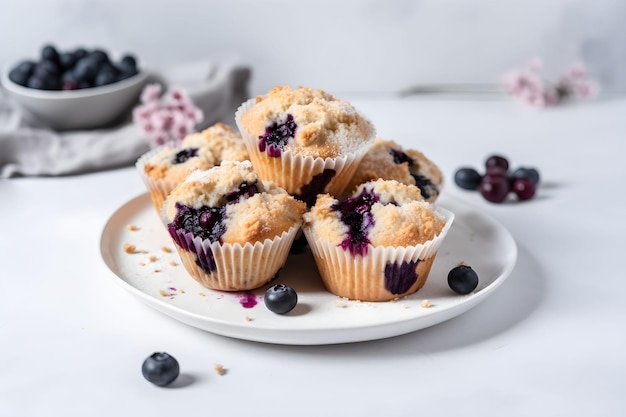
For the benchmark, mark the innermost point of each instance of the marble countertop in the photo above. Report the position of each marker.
(548, 342)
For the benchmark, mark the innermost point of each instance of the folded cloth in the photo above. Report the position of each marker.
(28, 148)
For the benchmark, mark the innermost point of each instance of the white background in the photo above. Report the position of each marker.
(343, 46)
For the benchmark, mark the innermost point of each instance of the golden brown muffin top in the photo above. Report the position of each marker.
(250, 217)
(396, 215)
(223, 142)
(324, 125)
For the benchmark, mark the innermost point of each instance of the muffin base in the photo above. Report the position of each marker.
(384, 274)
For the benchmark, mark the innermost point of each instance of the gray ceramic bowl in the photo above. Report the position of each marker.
(89, 108)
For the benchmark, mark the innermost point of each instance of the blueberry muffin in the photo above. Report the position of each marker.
(389, 161)
(232, 230)
(165, 167)
(305, 140)
(377, 245)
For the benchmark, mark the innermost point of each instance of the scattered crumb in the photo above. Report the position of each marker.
(340, 304)
(182, 291)
(157, 270)
(166, 249)
(426, 304)
(393, 300)
(144, 251)
(164, 293)
(406, 307)
(142, 264)
(219, 369)
(248, 318)
(153, 258)
(128, 248)
(132, 227)
(202, 294)
(173, 263)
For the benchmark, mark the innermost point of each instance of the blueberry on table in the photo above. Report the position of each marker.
(160, 368)
(462, 279)
(497, 161)
(467, 178)
(530, 174)
(280, 299)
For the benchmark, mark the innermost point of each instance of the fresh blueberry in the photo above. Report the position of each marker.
(49, 52)
(19, 77)
(526, 173)
(99, 57)
(104, 76)
(160, 368)
(67, 60)
(467, 178)
(462, 279)
(280, 299)
(128, 61)
(80, 53)
(85, 70)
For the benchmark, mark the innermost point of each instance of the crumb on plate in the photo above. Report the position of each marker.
(219, 369)
(129, 248)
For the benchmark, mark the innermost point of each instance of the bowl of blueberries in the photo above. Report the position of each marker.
(77, 88)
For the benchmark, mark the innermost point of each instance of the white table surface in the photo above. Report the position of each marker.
(550, 341)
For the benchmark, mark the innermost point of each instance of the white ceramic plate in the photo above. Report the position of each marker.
(155, 275)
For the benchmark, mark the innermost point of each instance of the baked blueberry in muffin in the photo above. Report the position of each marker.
(390, 161)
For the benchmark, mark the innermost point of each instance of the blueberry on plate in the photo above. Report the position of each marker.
(462, 279)
(160, 368)
(280, 299)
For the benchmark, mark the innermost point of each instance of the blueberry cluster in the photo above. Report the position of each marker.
(497, 182)
(72, 69)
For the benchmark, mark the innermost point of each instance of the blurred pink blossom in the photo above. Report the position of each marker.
(167, 118)
(527, 85)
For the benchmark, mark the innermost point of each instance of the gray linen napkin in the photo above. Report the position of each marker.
(28, 148)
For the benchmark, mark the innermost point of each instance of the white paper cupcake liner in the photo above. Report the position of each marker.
(365, 277)
(232, 267)
(291, 171)
(158, 189)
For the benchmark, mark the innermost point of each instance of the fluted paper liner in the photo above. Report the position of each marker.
(363, 277)
(292, 171)
(158, 189)
(234, 267)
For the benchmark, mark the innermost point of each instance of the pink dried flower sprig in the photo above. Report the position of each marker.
(527, 85)
(166, 119)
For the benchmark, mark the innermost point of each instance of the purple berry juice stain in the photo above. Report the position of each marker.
(247, 300)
